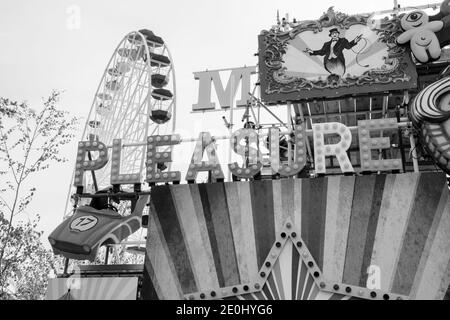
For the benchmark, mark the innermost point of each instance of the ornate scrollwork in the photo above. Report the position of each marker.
(275, 46)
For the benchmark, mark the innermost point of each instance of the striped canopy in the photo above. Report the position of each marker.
(214, 240)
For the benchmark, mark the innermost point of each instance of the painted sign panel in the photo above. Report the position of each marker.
(373, 237)
(334, 56)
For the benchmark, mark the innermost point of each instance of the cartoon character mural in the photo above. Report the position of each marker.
(334, 61)
(332, 56)
(426, 34)
(430, 113)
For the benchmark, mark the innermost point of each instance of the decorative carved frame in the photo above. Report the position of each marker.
(277, 86)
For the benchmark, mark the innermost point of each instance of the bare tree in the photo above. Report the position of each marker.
(30, 142)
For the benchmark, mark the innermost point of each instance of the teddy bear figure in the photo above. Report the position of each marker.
(420, 33)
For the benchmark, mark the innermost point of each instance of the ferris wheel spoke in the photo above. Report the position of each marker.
(125, 77)
(115, 62)
(138, 93)
(132, 160)
(127, 123)
(121, 65)
(116, 120)
(125, 107)
(138, 111)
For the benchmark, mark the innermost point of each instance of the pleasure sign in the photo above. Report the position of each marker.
(244, 142)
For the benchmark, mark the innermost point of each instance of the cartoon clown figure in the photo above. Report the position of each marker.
(421, 35)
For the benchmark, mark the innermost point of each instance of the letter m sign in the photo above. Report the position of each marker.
(239, 75)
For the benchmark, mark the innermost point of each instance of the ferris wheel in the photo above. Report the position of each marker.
(136, 98)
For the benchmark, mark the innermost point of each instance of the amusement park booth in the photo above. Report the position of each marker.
(345, 196)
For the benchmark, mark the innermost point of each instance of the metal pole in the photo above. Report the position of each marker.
(422, 7)
(400, 139)
(259, 96)
(414, 153)
(106, 254)
(230, 128)
(226, 69)
(268, 110)
(66, 265)
(396, 7)
(383, 115)
(308, 147)
(94, 179)
(289, 120)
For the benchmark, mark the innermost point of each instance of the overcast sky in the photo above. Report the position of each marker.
(41, 50)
